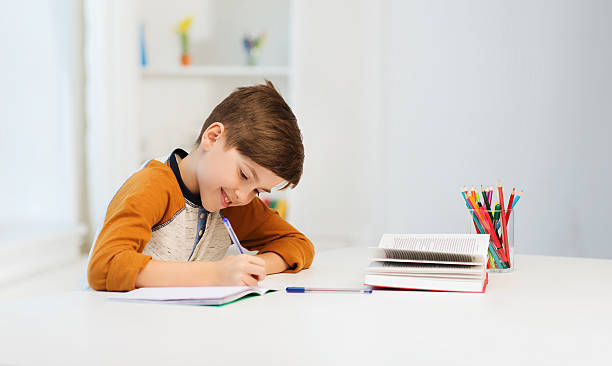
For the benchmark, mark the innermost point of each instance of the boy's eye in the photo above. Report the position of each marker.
(243, 176)
(256, 192)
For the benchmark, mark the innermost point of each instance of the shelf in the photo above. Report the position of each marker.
(206, 71)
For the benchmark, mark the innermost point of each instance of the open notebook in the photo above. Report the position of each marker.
(439, 262)
(210, 295)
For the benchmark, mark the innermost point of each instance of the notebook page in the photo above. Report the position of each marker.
(186, 293)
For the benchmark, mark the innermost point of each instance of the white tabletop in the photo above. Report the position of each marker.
(549, 310)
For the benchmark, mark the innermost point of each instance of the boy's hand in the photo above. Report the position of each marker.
(241, 270)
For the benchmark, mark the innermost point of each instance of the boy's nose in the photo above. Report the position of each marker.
(241, 196)
(238, 196)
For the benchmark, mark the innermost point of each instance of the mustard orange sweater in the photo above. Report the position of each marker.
(153, 215)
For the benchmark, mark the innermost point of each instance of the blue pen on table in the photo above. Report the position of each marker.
(301, 290)
(232, 235)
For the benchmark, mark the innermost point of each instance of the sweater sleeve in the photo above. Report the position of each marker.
(140, 203)
(261, 228)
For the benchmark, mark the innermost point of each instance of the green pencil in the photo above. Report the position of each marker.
(486, 201)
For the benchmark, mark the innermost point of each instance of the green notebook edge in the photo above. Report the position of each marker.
(252, 294)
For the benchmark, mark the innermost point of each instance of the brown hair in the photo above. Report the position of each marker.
(261, 126)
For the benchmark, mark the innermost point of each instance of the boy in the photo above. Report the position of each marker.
(164, 228)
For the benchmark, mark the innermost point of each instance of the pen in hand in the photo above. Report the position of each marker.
(232, 235)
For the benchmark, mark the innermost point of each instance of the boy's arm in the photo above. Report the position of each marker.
(282, 246)
(273, 262)
(234, 270)
(142, 202)
(117, 263)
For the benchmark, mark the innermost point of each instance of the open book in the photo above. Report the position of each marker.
(439, 262)
(210, 295)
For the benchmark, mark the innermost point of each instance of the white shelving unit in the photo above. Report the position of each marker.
(175, 99)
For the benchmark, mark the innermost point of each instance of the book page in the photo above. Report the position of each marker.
(469, 244)
(409, 256)
(423, 268)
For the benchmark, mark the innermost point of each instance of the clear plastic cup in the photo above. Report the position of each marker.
(501, 243)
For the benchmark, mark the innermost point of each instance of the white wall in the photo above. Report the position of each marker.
(41, 113)
(478, 91)
(112, 90)
(459, 80)
(338, 71)
(392, 97)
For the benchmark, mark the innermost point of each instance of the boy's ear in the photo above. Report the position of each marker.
(211, 135)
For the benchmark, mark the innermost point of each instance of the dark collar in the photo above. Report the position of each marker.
(192, 197)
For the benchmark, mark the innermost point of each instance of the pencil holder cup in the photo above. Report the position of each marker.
(501, 231)
(252, 56)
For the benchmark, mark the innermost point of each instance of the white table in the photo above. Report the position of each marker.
(551, 310)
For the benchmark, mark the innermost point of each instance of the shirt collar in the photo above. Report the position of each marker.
(190, 196)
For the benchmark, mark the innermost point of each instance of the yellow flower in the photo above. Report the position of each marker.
(184, 25)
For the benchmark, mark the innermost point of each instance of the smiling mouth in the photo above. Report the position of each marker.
(226, 201)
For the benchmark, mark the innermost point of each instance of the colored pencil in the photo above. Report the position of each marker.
(500, 192)
(479, 230)
(493, 235)
(509, 205)
(472, 204)
(497, 263)
(497, 212)
(516, 199)
(496, 256)
(486, 201)
(495, 253)
(482, 219)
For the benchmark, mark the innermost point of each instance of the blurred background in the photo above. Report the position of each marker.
(400, 103)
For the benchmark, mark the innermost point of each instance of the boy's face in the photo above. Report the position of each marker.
(227, 178)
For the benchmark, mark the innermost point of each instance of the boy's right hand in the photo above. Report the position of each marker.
(241, 270)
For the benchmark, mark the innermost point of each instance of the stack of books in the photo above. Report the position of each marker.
(439, 262)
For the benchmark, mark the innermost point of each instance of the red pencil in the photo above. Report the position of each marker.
(499, 247)
(500, 192)
(509, 205)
